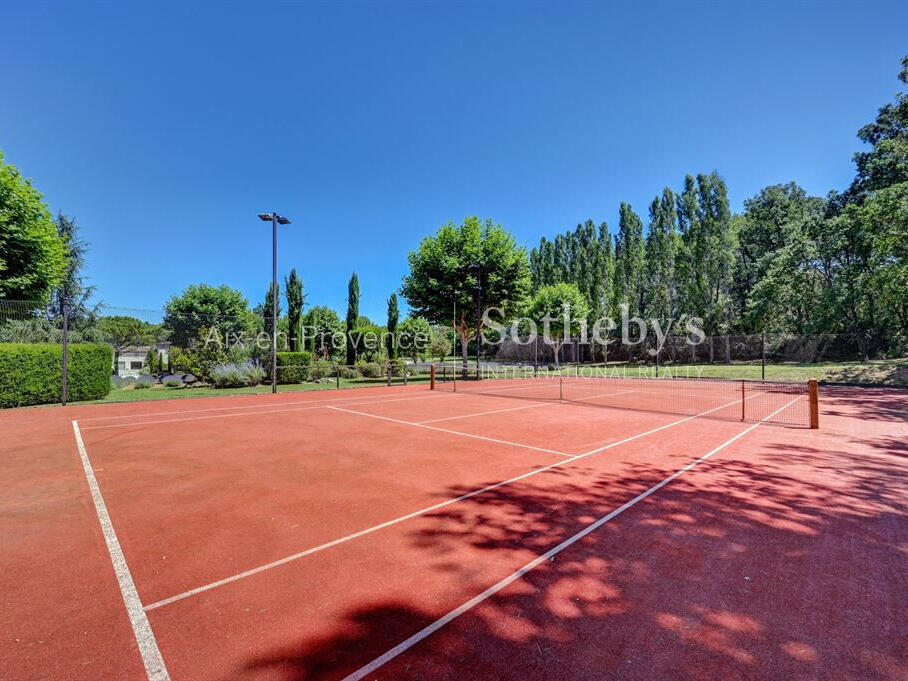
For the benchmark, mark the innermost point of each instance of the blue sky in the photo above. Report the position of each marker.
(164, 128)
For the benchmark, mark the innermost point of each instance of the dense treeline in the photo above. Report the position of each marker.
(789, 262)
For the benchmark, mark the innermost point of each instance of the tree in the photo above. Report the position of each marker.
(555, 303)
(324, 333)
(352, 316)
(415, 337)
(32, 253)
(213, 307)
(268, 316)
(629, 259)
(121, 331)
(886, 163)
(441, 342)
(449, 269)
(391, 340)
(661, 248)
(72, 289)
(293, 290)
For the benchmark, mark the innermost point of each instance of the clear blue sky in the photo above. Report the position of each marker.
(164, 128)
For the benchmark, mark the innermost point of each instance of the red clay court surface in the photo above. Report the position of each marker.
(400, 533)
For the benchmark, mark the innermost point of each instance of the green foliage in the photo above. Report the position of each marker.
(206, 352)
(391, 339)
(460, 264)
(352, 315)
(268, 309)
(200, 305)
(32, 253)
(233, 375)
(321, 371)
(415, 337)
(293, 367)
(366, 338)
(322, 326)
(441, 342)
(33, 373)
(557, 302)
(293, 290)
(370, 369)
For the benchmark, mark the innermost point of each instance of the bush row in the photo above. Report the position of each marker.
(32, 373)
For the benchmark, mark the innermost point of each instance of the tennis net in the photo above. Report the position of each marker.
(790, 403)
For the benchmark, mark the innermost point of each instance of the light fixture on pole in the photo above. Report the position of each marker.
(275, 220)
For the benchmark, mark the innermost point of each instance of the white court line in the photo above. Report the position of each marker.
(549, 402)
(306, 407)
(495, 588)
(141, 629)
(242, 406)
(414, 514)
(453, 432)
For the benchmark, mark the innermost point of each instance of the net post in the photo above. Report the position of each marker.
(431, 377)
(337, 376)
(403, 371)
(743, 400)
(389, 374)
(813, 392)
(64, 387)
(560, 387)
(454, 378)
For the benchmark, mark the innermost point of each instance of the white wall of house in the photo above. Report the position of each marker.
(132, 362)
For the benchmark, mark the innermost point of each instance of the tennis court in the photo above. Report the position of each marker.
(538, 529)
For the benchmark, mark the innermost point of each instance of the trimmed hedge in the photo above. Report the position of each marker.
(32, 373)
(293, 367)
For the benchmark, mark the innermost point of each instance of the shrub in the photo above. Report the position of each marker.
(349, 373)
(173, 383)
(370, 369)
(121, 382)
(232, 375)
(141, 385)
(33, 373)
(322, 370)
(293, 367)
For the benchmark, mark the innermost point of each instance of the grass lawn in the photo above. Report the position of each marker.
(162, 392)
(878, 372)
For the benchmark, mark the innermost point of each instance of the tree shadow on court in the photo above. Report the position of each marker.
(865, 403)
(790, 565)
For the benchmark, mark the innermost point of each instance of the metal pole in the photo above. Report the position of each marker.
(478, 320)
(65, 386)
(274, 302)
(763, 355)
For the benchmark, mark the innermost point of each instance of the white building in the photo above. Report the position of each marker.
(134, 359)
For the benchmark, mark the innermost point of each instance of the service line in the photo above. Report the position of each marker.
(539, 560)
(428, 509)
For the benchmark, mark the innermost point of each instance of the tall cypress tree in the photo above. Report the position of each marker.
(629, 259)
(268, 309)
(293, 290)
(352, 316)
(391, 340)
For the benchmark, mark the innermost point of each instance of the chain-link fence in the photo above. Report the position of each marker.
(203, 349)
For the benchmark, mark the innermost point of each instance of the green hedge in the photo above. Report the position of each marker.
(293, 367)
(32, 373)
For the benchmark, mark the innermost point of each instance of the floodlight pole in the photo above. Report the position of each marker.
(274, 295)
(275, 219)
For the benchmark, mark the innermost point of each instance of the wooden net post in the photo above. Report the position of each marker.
(431, 377)
(813, 393)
